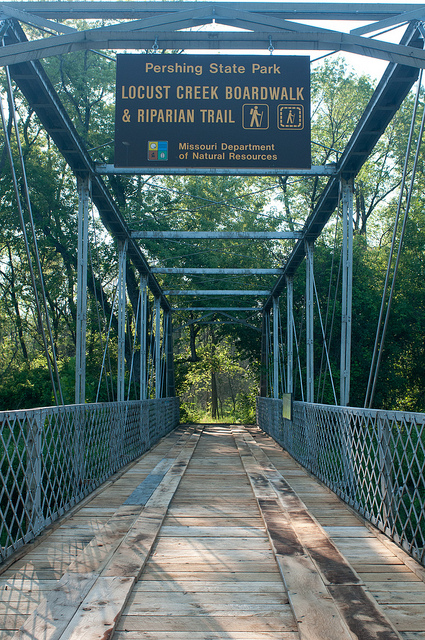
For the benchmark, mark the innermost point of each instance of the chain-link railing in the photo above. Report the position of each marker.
(374, 460)
(52, 458)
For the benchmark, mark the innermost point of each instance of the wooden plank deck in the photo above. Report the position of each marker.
(214, 534)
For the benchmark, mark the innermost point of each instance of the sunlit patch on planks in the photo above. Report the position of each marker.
(215, 534)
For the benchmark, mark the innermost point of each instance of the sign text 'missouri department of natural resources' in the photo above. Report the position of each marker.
(212, 111)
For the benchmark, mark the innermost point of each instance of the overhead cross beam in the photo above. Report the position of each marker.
(358, 11)
(205, 40)
(216, 235)
(167, 28)
(216, 272)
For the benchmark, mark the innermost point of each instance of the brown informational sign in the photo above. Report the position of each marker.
(209, 111)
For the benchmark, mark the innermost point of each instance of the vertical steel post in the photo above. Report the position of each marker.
(157, 348)
(264, 355)
(143, 337)
(290, 334)
(275, 347)
(347, 289)
(309, 320)
(83, 184)
(171, 386)
(122, 260)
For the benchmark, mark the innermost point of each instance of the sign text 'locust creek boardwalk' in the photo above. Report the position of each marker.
(214, 534)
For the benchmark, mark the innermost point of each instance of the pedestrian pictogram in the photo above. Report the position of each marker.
(290, 116)
(255, 116)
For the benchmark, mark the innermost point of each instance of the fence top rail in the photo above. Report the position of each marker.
(6, 416)
(383, 414)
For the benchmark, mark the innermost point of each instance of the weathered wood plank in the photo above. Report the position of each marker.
(236, 567)
(99, 613)
(131, 556)
(400, 597)
(181, 544)
(200, 599)
(316, 613)
(222, 610)
(207, 635)
(213, 575)
(406, 617)
(209, 586)
(212, 556)
(52, 616)
(211, 532)
(189, 624)
(364, 618)
(407, 578)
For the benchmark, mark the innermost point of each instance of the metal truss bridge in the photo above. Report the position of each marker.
(115, 521)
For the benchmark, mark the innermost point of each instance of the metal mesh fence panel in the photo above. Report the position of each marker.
(52, 458)
(374, 460)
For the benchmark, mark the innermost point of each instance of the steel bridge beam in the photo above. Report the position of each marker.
(121, 294)
(42, 97)
(83, 185)
(216, 309)
(359, 11)
(315, 171)
(394, 86)
(216, 235)
(215, 272)
(205, 40)
(216, 292)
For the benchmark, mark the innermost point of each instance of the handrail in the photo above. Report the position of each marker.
(373, 459)
(53, 457)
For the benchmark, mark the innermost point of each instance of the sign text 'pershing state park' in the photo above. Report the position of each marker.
(212, 111)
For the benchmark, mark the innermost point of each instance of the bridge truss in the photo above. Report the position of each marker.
(258, 27)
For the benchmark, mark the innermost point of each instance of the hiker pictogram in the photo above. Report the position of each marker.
(255, 116)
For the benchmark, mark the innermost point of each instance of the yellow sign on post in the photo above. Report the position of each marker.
(287, 406)
(212, 111)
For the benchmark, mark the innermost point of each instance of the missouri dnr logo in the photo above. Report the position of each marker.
(158, 150)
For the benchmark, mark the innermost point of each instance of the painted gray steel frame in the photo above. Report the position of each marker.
(166, 29)
(347, 290)
(257, 309)
(143, 337)
(121, 295)
(216, 292)
(222, 235)
(392, 89)
(290, 334)
(309, 319)
(286, 10)
(42, 97)
(394, 86)
(108, 169)
(276, 330)
(216, 272)
(83, 185)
